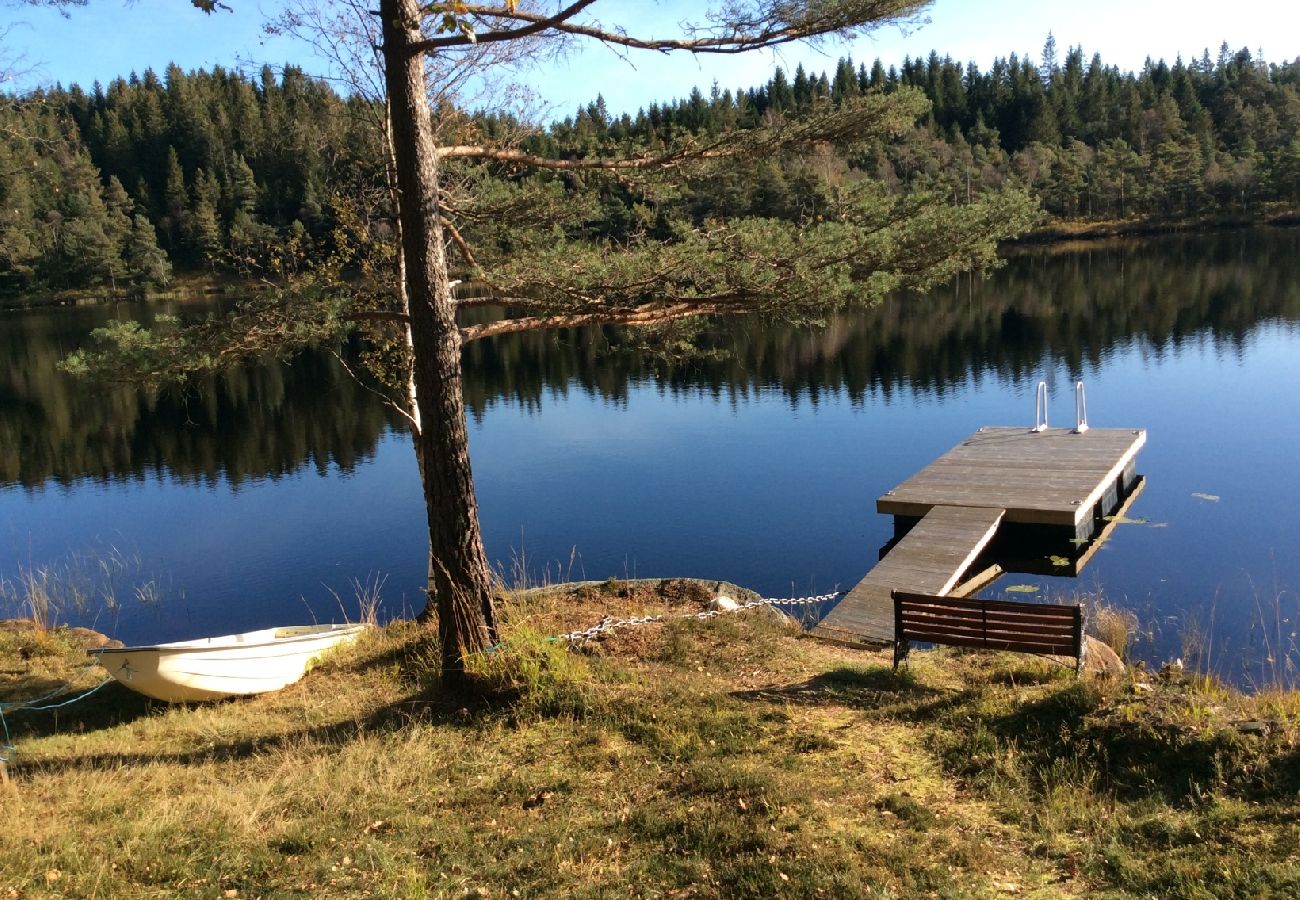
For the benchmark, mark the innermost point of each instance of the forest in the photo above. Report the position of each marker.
(122, 186)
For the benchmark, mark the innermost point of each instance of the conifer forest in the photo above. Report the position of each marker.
(123, 185)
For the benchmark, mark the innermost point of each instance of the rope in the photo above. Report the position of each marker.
(61, 689)
(36, 704)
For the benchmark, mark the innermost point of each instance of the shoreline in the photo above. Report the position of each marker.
(1062, 233)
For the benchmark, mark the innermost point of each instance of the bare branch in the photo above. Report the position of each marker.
(538, 25)
(458, 239)
(500, 154)
(376, 315)
(771, 24)
(644, 315)
(380, 394)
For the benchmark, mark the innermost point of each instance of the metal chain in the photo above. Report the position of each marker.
(610, 623)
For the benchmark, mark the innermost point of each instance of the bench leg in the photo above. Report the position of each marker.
(900, 652)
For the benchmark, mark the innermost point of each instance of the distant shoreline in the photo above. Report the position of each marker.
(191, 286)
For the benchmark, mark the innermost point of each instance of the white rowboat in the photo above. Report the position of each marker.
(227, 666)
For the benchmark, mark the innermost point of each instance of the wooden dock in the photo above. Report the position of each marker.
(949, 512)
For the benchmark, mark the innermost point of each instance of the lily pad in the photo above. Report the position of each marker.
(1058, 560)
(1021, 589)
(1213, 498)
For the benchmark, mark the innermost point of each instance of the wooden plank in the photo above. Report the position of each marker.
(963, 623)
(940, 632)
(932, 557)
(991, 616)
(916, 629)
(1065, 649)
(1044, 609)
(939, 621)
(1054, 477)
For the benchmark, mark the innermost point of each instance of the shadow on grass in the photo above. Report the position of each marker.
(472, 706)
(869, 688)
(110, 706)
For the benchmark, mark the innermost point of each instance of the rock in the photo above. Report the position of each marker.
(1260, 728)
(1102, 660)
(82, 637)
(723, 603)
(93, 640)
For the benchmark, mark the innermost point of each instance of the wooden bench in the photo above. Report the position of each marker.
(987, 625)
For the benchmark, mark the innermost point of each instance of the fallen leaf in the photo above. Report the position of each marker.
(1213, 498)
(1021, 589)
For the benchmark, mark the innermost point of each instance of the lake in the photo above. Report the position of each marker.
(260, 497)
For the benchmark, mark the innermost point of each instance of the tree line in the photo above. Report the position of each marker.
(1089, 140)
(265, 419)
(217, 171)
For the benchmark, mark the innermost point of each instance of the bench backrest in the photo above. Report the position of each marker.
(987, 624)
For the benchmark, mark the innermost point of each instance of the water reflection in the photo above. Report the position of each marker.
(263, 419)
(257, 494)
(1070, 308)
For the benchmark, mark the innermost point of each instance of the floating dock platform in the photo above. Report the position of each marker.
(1054, 483)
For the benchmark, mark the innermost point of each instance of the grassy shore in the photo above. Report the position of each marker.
(725, 758)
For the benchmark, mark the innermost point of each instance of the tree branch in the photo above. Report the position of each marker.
(377, 315)
(459, 240)
(639, 316)
(536, 24)
(773, 26)
(498, 154)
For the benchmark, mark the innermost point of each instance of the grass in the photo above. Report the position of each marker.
(725, 758)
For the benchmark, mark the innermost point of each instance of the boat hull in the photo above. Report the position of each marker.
(228, 666)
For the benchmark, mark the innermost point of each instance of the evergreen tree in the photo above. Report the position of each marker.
(145, 261)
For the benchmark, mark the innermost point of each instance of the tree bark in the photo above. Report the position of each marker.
(459, 579)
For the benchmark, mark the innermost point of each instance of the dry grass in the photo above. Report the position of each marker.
(724, 758)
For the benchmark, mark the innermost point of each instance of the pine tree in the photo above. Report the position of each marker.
(203, 232)
(147, 263)
(175, 202)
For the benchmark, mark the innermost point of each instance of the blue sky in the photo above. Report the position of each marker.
(110, 37)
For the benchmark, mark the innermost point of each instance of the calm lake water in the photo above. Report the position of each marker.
(253, 499)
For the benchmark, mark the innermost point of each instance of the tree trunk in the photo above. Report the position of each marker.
(459, 579)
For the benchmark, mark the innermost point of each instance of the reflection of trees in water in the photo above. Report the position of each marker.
(258, 420)
(1072, 308)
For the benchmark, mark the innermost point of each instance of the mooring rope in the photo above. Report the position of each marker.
(38, 704)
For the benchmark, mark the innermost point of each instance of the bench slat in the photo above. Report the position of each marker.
(1061, 649)
(1045, 609)
(987, 625)
(943, 636)
(933, 627)
(938, 614)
